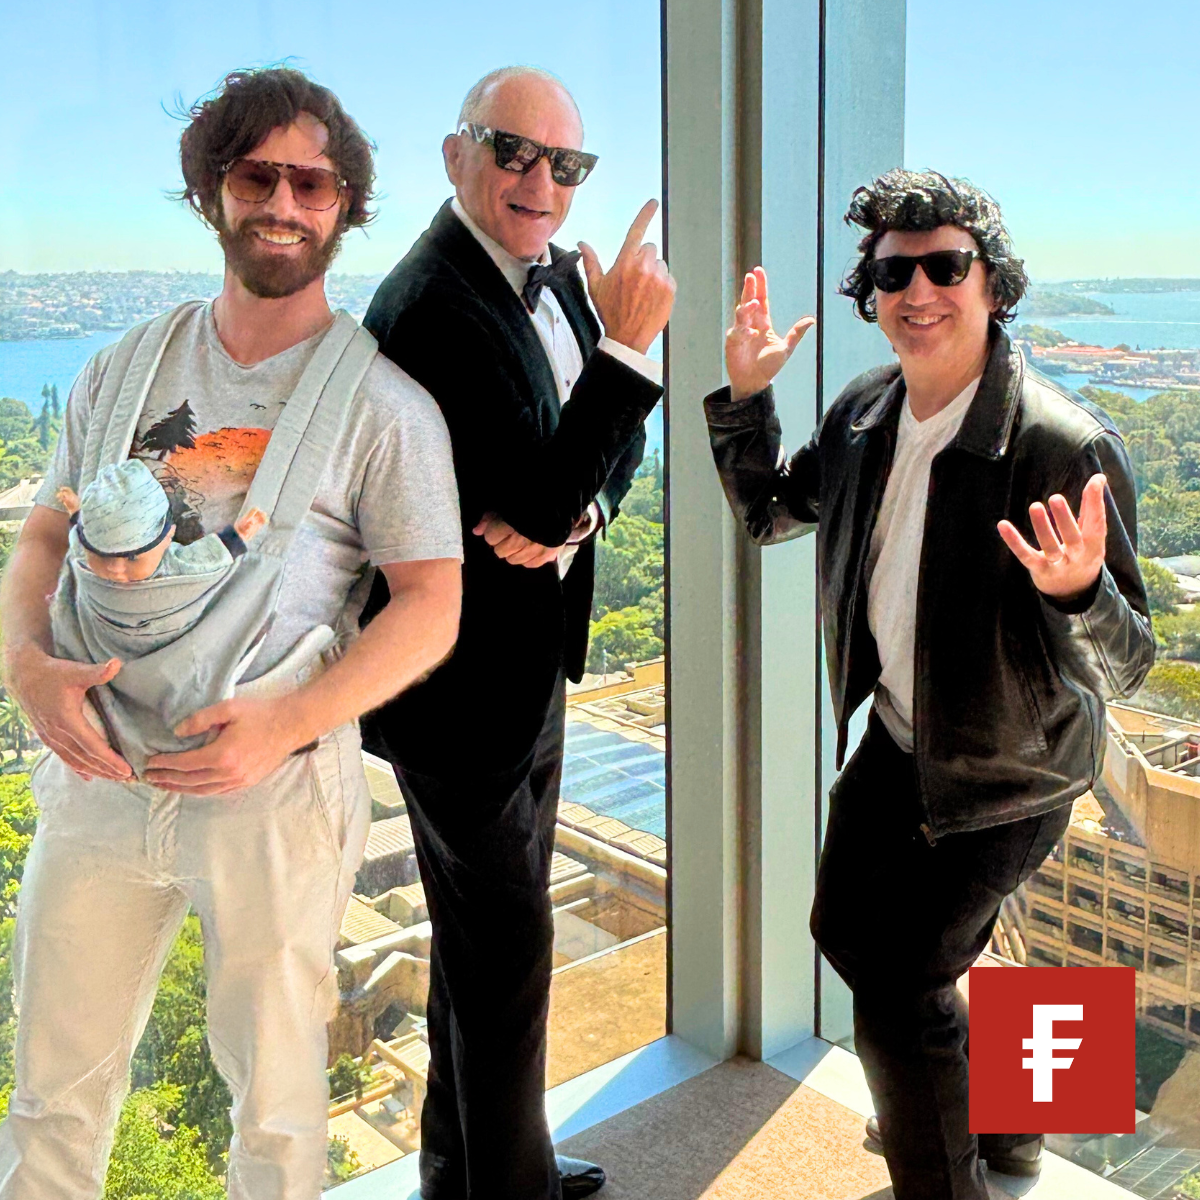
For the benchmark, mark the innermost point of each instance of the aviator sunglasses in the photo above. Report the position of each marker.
(516, 153)
(943, 268)
(254, 181)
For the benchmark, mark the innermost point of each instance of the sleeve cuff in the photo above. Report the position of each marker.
(588, 524)
(232, 540)
(631, 358)
(604, 508)
(1074, 605)
(721, 401)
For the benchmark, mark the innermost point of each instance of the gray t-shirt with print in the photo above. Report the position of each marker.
(388, 493)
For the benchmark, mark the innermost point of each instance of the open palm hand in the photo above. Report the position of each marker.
(754, 352)
(1071, 552)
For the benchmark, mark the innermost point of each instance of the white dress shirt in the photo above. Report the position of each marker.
(894, 559)
(562, 349)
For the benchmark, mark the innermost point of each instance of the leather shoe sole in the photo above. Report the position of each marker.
(578, 1178)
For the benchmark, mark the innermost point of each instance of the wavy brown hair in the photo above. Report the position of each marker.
(918, 201)
(233, 119)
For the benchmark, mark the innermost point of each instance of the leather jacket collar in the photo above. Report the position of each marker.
(987, 428)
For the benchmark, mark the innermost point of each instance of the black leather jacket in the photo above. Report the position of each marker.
(1008, 704)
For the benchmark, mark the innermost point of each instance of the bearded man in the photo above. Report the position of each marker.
(262, 396)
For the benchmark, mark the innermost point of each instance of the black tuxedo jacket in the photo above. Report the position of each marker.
(448, 316)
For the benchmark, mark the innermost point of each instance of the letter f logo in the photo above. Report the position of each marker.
(1042, 1062)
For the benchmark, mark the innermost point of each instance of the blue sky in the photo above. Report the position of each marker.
(89, 150)
(1080, 118)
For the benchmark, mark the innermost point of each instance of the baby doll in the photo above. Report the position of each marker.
(121, 528)
(129, 591)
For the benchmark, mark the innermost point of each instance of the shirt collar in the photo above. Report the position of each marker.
(947, 415)
(515, 270)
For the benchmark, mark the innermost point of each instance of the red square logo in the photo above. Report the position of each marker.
(1052, 1050)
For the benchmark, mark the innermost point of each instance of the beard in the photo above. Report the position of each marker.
(273, 276)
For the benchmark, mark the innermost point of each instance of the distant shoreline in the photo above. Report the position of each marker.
(1119, 286)
(53, 337)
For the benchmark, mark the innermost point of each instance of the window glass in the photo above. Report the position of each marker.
(1075, 128)
(91, 243)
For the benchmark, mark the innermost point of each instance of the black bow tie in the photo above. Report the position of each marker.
(540, 276)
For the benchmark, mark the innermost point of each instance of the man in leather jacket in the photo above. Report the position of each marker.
(976, 543)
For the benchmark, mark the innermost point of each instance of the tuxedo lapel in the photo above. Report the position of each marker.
(573, 299)
(473, 263)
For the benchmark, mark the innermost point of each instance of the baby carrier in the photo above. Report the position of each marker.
(185, 641)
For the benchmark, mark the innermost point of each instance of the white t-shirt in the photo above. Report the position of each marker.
(894, 561)
(388, 493)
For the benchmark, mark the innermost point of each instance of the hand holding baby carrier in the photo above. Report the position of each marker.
(184, 641)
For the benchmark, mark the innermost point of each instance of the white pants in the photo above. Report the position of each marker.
(107, 884)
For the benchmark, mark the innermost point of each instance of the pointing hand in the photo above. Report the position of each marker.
(635, 296)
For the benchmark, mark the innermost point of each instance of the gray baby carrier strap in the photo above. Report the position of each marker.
(184, 641)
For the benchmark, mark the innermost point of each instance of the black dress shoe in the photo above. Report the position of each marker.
(1024, 1161)
(873, 1141)
(578, 1178)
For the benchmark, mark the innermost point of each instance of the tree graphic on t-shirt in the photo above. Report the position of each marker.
(173, 432)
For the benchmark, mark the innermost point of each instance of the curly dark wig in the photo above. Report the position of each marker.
(918, 201)
(235, 118)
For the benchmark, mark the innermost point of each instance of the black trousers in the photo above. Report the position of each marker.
(484, 845)
(900, 921)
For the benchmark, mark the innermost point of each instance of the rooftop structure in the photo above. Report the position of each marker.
(608, 884)
(16, 503)
(615, 758)
(1123, 885)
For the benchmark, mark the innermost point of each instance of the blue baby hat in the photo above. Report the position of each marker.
(123, 510)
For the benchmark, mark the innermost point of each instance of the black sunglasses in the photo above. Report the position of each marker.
(254, 181)
(943, 268)
(516, 153)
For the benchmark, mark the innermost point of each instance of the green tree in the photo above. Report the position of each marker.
(16, 421)
(1178, 635)
(348, 1075)
(1116, 404)
(18, 820)
(8, 1014)
(1172, 688)
(620, 637)
(25, 442)
(628, 605)
(174, 1048)
(1161, 589)
(1168, 522)
(42, 426)
(645, 495)
(152, 1159)
(9, 530)
(341, 1163)
(629, 563)
(1040, 335)
(16, 733)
